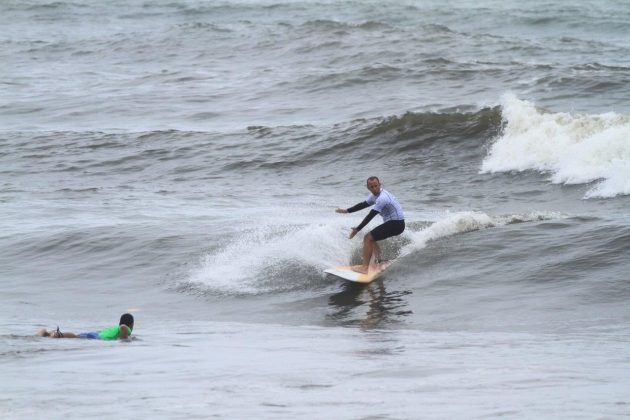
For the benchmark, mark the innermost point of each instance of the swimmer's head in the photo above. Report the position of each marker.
(126, 319)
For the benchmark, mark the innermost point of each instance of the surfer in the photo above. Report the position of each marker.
(121, 331)
(393, 217)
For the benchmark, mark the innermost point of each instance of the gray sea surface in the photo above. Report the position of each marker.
(181, 160)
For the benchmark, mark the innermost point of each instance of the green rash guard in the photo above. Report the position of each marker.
(111, 333)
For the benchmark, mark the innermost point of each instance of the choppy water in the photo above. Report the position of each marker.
(183, 160)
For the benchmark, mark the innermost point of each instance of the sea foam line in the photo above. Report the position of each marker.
(463, 222)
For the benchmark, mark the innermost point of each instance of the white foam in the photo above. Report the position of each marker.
(250, 261)
(575, 149)
(462, 222)
(451, 224)
(239, 267)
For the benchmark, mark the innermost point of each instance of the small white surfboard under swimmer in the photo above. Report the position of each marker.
(374, 271)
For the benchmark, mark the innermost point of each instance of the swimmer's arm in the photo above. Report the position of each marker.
(124, 332)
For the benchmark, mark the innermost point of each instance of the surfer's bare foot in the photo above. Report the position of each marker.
(360, 269)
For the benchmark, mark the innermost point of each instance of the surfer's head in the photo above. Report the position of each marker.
(374, 185)
(126, 319)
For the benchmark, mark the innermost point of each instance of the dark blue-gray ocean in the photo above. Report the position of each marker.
(182, 160)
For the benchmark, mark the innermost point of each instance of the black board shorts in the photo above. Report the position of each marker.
(388, 229)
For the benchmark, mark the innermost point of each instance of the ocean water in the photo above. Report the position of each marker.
(182, 160)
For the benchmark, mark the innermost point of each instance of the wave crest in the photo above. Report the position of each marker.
(283, 258)
(574, 149)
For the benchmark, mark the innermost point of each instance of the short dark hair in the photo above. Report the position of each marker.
(372, 178)
(126, 319)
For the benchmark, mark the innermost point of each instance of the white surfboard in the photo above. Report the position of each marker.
(375, 270)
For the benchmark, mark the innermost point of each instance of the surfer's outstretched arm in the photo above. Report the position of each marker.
(359, 206)
(367, 219)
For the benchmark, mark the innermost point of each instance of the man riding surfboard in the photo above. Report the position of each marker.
(390, 210)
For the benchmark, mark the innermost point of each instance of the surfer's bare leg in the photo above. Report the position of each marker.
(369, 245)
(56, 334)
(43, 333)
(377, 252)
